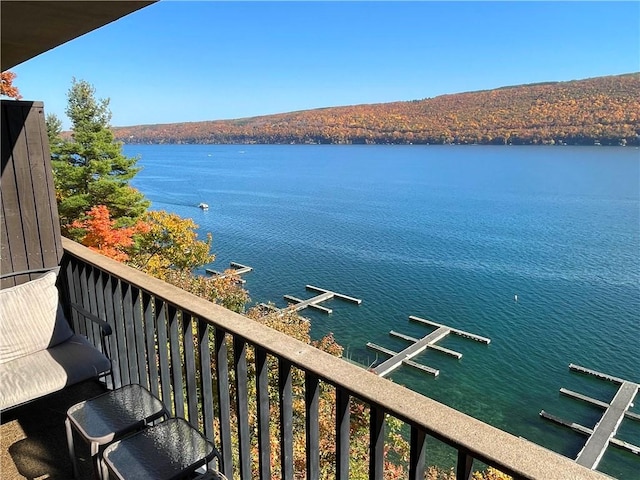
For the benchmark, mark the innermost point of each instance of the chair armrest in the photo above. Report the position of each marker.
(104, 326)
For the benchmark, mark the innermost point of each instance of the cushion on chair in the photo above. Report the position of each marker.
(31, 319)
(48, 371)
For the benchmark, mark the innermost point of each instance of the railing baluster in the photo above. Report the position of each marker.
(93, 331)
(417, 454)
(240, 366)
(176, 361)
(465, 465)
(110, 343)
(85, 297)
(116, 297)
(117, 343)
(224, 402)
(343, 428)
(312, 394)
(137, 316)
(286, 418)
(376, 443)
(150, 337)
(96, 307)
(72, 292)
(206, 387)
(163, 353)
(190, 369)
(127, 312)
(262, 389)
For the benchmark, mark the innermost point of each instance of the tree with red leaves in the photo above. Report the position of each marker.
(6, 86)
(100, 234)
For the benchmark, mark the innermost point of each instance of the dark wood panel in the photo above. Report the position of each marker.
(42, 186)
(6, 266)
(33, 178)
(30, 224)
(12, 126)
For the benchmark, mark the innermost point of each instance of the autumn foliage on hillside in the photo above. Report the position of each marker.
(603, 110)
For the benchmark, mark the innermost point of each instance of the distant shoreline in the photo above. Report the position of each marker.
(597, 111)
(585, 144)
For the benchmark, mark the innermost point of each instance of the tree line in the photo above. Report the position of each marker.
(603, 110)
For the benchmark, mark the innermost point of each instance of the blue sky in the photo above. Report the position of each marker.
(178, 61)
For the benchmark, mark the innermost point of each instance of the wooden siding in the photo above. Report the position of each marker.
(30, 229)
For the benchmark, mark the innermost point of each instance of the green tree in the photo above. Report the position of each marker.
(90, 169)
(54, 129)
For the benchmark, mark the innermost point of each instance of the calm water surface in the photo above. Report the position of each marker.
(446, 233)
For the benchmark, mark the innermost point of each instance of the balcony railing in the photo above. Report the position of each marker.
(167, 340)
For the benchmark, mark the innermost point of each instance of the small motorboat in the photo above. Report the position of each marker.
(203, 206)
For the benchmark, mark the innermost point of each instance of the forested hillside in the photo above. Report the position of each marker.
(603, 110)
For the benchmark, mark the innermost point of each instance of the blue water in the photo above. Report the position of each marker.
(449, 233)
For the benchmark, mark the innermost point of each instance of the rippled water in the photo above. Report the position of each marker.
(446, 233)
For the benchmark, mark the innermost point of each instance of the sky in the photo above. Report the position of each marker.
(183, 61)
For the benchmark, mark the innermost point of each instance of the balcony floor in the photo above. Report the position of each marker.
(33, 440)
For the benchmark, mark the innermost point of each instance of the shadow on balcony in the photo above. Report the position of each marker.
(33, 437)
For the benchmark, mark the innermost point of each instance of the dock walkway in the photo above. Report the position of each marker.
(298, 304)
(606, 428)
(411, 351)
(418, 346)
(603, 433)
(238, 269)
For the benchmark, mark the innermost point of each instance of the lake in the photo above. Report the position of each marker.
(448, 233)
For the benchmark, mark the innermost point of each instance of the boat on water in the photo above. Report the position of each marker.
(203, 206)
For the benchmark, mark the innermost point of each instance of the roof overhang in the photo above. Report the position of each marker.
(31, 28)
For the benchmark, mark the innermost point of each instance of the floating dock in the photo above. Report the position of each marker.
(606, 428)
(238, 269)
(603, 433)
(576, 427)
(408, 362)
(433, 346)
(595, 402)
(298, 304)
(418, 346)
(461, 333)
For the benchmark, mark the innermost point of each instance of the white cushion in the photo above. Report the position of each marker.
(48, 371)
(30, 319)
